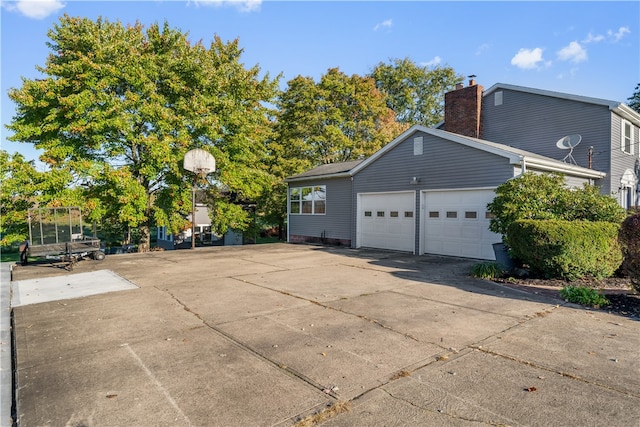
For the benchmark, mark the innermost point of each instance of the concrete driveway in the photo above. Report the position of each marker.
(267, 335)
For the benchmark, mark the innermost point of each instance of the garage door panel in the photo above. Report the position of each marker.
(461, 228)
(388, 226)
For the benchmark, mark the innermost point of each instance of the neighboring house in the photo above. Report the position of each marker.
(427, 190)
(204, 236)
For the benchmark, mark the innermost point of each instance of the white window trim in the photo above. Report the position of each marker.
(313, 200)
(623, 125)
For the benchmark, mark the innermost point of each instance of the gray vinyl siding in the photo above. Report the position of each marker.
(336, 223)
(443, 165)
(535, 123)
(621, 161)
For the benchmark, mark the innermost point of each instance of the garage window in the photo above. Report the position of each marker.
(308, 200)
(471, 215)
(434, 214)
(393, 214)
(408, 214)
(380, 214)
(452, 214)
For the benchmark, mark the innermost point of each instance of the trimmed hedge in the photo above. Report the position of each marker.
(566, 249)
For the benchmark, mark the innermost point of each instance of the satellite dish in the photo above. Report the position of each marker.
(199, 161)
(569, 142)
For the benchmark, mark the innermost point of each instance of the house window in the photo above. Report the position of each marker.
(497, 98)
(626, 144)
(417, 146)
(308, 200)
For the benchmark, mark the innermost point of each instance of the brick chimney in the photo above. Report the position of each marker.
(462, 110)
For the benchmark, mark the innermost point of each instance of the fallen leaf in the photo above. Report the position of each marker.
(111, 396)
(441, 358)
(530, 389)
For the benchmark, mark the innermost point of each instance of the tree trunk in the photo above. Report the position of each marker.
(145, 239)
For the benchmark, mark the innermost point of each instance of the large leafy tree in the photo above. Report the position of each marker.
(337, 119)
(120, 105)
(634, 100)
(415, 93)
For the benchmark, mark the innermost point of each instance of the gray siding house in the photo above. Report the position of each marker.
(426, 191)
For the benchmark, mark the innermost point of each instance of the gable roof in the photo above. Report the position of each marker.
(514, 155)
(330, 170)
(618, 107)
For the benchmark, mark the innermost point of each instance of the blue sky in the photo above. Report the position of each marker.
(586, 48)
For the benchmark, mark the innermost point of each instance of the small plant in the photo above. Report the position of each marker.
(584, 296)
(487, 270)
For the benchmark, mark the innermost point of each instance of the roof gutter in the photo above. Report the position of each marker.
(553, 166)
(627, 113)
(310, 177)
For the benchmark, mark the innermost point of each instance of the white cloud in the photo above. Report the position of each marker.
(593, 38)
(36, 9)
(386, 24)
(241, 5)
(528, 58)
(482, 49)
(619, 34)
(573, 52)
(432, 63)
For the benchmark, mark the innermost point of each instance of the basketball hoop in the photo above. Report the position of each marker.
(201, 163)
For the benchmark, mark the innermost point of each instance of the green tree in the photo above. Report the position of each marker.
(634, 100)
(120, 105)
(20, 189)
(415, 93)
(338, 119)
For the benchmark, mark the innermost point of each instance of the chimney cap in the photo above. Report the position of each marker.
(472, 80)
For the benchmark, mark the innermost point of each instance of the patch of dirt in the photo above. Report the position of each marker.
(623, 299)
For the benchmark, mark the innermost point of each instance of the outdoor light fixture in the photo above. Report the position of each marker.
(415, 180)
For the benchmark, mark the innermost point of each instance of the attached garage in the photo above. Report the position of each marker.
(387, 221)
(456, 222)
(426, 192)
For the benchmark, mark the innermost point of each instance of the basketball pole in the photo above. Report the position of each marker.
(193, 213)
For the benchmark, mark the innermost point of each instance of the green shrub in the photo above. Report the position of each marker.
(486, 270)
(629, 236)
(584, 296)
(567, 249)
(533, 196)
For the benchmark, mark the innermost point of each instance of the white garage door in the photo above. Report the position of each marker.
(457, 223)
(387, 221)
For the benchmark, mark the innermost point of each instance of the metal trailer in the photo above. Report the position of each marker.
(58, 233)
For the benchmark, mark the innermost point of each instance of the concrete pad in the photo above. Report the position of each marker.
(97, 323)
(202, 379)
(610, 355)
(223, 300)
(490, 300)
(332, 349)
(343, 282)
(481, 387)
(35, 291)
(380, 408)
(427, 321)
(266, 334)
